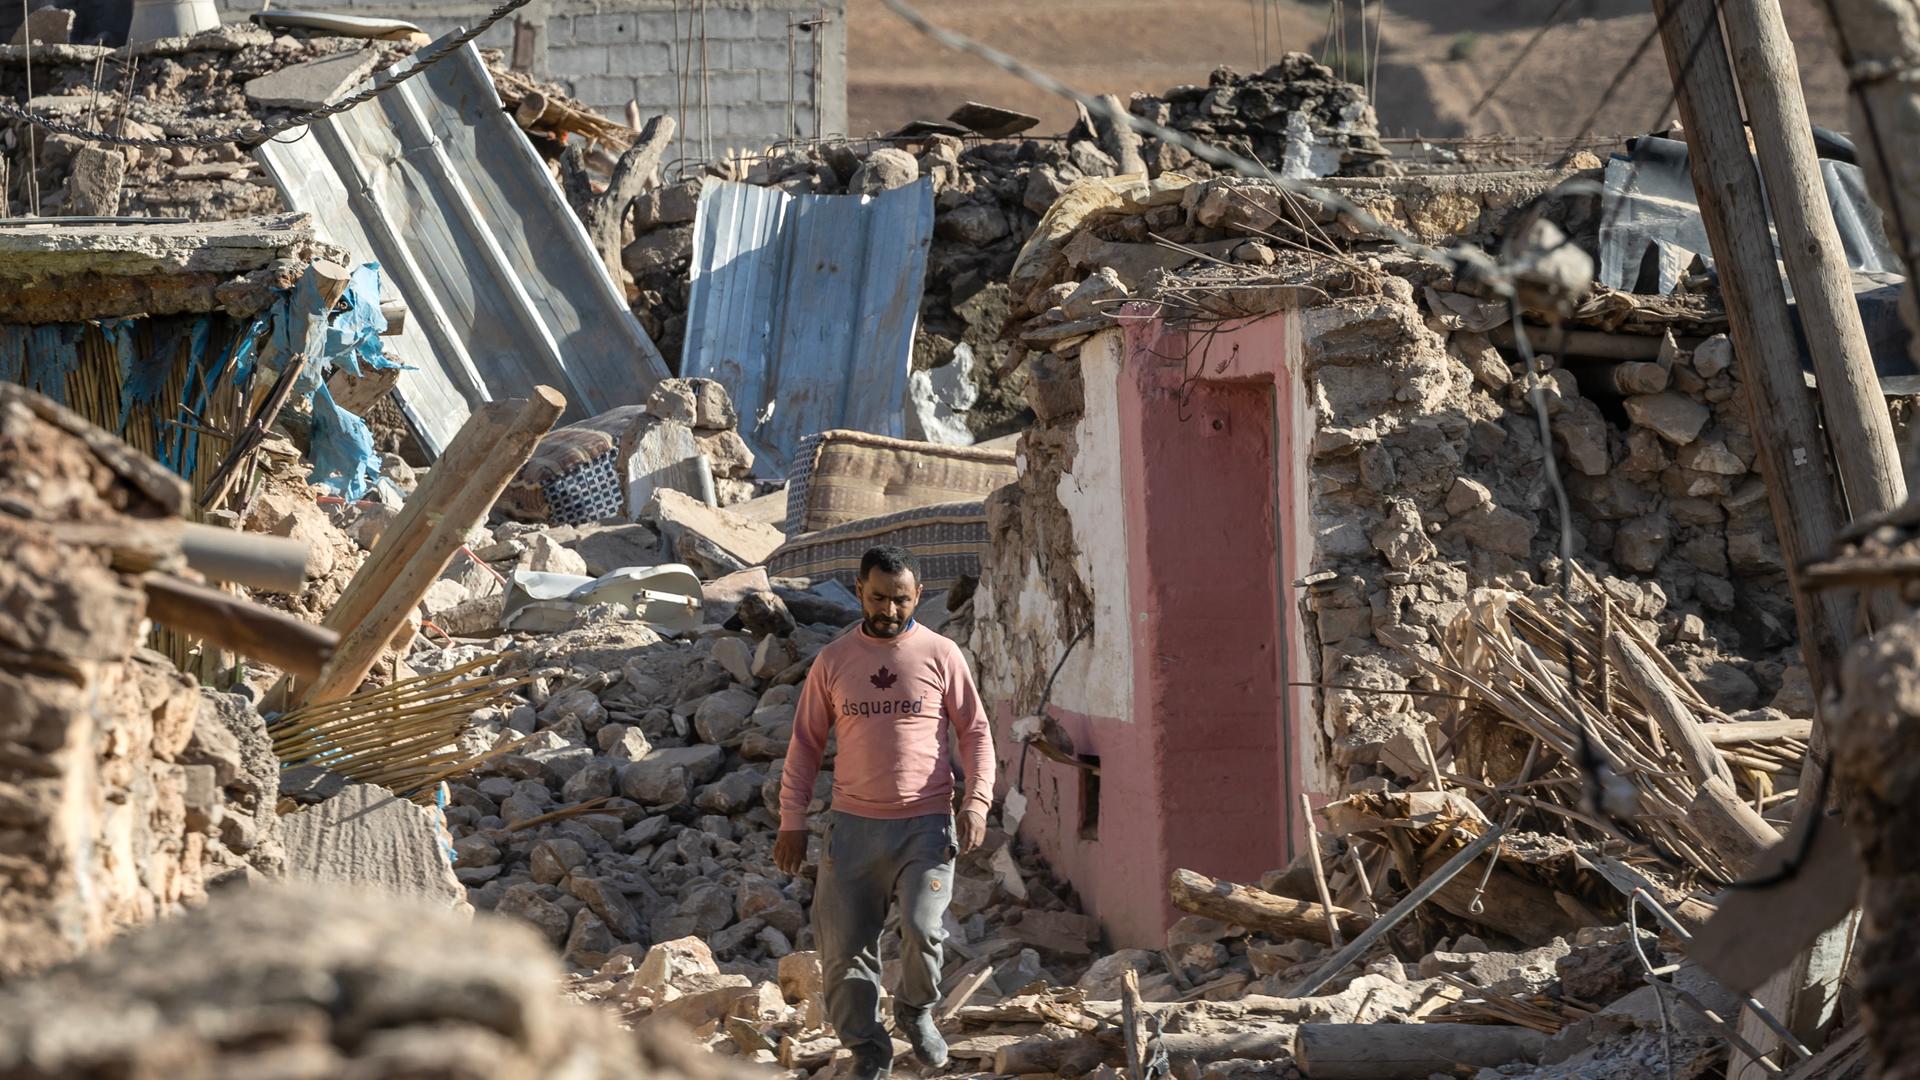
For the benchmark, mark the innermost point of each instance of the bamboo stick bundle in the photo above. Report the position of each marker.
(1527, 664)
(404, 736)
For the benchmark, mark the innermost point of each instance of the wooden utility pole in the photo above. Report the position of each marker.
(1858, 424)
(1806, 503)
(1786, 428)
(1879, 42)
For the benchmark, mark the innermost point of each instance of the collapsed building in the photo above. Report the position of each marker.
(1267, 592)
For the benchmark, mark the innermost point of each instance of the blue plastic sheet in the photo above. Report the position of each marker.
(295, 324)
(343, 455)
(353, 337)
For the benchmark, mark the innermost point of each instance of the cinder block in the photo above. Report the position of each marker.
(639, 58)
(658, 26)
(729, 23)
(728, 88)
(657, 94)
(606, 28)
(578, 59)
(603, 91)
(769, 53)
(757, 124)
(774, 87)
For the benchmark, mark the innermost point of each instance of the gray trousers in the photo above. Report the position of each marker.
(869, 861)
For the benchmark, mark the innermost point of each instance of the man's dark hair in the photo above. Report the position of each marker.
(890, 559)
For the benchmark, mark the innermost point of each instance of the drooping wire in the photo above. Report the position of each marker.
(1519, 58)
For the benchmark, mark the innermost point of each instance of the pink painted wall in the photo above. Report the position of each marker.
(1204, 775)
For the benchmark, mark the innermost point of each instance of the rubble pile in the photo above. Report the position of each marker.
(1426, 473)
(172, 88)
(989, 196)
(319, 982)
(643, 807)
(128, 790)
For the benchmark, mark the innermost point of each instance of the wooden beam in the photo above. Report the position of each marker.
(1800, 487)
(1133, 1035)
(1879, 44)
(1410, 1051)
(359, 394)
(1258, 910)
(492, 446)
(605, 213)
(239, 625)
(1857, 421)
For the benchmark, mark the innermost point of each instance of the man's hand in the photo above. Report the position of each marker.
(790, 851)
(973, 829)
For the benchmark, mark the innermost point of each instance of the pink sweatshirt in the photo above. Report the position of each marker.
(890, 703)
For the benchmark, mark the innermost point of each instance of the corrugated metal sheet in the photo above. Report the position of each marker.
(807, 302)
(503, 289)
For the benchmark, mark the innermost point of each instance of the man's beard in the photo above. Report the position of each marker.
(883, 630)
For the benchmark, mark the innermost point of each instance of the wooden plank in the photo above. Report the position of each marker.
(1879, 43)
(1132, 1034)
(1669, 711)
(402, 540)
(358, 395)
(1757, 731)
(1320, 873)
(451, 503)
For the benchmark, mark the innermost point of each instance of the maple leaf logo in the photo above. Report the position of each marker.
(883, 679)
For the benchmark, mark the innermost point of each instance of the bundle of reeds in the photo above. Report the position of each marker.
(1551, 671)
(404, 736)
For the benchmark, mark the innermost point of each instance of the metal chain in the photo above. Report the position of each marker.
(250, 137)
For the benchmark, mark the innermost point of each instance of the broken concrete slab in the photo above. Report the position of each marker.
(991, 121)
(76, 272)
(366, 836)
(712, 541)
(47, 26)
(314, 83)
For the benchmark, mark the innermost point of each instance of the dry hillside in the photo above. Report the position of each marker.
(1437, 58)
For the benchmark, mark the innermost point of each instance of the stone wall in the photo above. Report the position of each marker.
(606, 54)
(122, 791)
(1425, 476)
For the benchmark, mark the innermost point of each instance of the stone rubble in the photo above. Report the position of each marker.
(128, 791)
(988, 198)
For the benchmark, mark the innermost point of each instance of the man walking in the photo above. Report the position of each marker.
(890, 691)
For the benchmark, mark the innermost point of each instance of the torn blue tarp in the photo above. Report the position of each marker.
(147, 357)
(343, 455)
(300, 323)
(353, 336)
(803, 306)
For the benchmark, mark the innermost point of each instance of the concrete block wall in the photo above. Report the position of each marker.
(609, 53)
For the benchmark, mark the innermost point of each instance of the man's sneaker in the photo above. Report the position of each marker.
(871, 1067)
(916, 1026)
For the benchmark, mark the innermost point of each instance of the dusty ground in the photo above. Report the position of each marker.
(897, 75)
